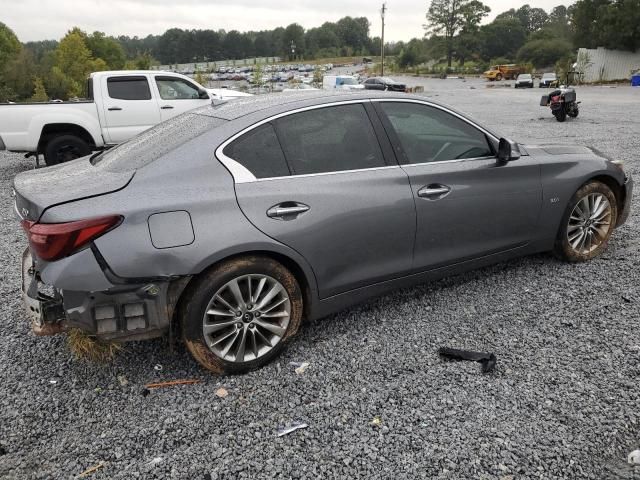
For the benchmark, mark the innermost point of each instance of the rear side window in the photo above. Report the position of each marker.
(259, 152)
(329, 139)
(129, 88)
(428, 134)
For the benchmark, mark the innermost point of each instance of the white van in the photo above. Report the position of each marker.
(340, 82)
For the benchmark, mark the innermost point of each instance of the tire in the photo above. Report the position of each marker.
(565, 246)
(219, 348)
(561, 115)
(65, 148)
(573, 111)
(499, 77)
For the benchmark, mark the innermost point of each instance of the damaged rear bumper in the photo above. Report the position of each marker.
(123, 312)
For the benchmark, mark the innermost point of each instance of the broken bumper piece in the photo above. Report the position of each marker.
(123, 312)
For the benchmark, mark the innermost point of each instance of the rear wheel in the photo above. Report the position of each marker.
(560, 114)
(499, 77)
(587, 224)
(240, 315)
(65, 148)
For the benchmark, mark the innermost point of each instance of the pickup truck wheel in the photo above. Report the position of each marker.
(499, 77)
(239, 315)
(64, 148)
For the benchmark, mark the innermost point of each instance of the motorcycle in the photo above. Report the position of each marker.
(562, 102)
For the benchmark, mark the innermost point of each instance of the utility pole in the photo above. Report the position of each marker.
(383, 10)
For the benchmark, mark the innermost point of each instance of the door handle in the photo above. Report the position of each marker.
(111, 109)
(435, 191)
(166, 107)
(282, 211)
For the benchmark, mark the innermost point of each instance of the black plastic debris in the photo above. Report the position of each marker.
(487, 360)
(145, 391)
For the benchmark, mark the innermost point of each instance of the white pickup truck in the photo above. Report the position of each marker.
(119, 105)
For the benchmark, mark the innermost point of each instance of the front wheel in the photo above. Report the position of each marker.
(587, 224)
(239, 315)
(499, 77)
(573, 111)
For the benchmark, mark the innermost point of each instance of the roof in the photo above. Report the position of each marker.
(245, 106)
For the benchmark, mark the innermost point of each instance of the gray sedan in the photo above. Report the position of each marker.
(234, 223)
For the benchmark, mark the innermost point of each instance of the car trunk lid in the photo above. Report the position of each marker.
(37, 190)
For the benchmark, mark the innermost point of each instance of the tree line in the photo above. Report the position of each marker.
(531, 35)
(453, 31)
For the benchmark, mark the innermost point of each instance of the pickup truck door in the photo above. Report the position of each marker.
(177, 95)
(128, 106)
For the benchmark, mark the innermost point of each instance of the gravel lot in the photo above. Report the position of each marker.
(562, 403)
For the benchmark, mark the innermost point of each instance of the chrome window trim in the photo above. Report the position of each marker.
(242, 175)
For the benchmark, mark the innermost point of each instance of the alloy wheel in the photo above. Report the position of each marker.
(589, 223)
(246, 318)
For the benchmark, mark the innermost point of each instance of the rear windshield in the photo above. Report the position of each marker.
(156, 142)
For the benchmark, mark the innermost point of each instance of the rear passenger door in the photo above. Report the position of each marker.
(318, 181)
(128, 106)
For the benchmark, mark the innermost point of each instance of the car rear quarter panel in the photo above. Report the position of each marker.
(188, 179)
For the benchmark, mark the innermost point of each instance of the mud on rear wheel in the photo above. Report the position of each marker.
(239, 315)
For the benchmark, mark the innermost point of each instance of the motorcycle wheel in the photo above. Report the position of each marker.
(561, 115)
(573, 112)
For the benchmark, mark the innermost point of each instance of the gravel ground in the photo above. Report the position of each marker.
(562, 403)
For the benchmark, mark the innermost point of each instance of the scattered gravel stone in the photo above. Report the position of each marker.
(441, 419)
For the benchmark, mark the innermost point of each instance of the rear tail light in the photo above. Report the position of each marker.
(53, 241)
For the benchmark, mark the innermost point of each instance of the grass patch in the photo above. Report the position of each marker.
(87, 347)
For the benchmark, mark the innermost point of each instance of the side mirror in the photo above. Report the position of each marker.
(507, 151)
(203, 94)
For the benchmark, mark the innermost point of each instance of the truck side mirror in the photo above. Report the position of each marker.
(203, 94)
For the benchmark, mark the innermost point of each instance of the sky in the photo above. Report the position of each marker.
(51, 19)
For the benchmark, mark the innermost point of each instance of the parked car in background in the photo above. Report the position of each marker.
(226, 93)
(548, 80)
(341, 82)
(118, 106)
(524, 80)
(240, 220)
(384, 83)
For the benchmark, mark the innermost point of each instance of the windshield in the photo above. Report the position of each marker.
(387, 80)
(549, 75)
(525, 76)
(155, 142)
(346, 81)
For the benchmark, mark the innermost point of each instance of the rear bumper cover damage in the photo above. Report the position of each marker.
(127, 311)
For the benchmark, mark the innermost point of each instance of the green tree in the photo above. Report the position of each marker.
(502, 38)
(73, 59)
(19, 72)
(39, 92)
(447, 17)
(10, 46)
(543, 53)
(106, 48)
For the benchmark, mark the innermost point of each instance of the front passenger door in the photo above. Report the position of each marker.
(467, 204)
(178, 95)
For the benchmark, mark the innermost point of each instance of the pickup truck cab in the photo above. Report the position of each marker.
(119, 105)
